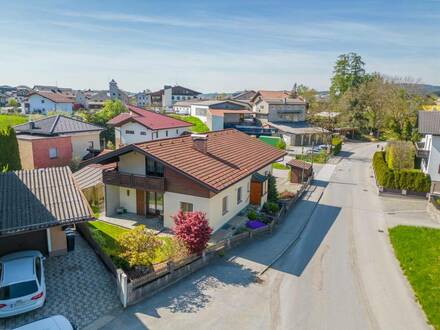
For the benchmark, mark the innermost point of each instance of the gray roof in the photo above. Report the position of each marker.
(40, 198)
(91, 175)
(429, 122)
(299, 127)
(55, 125)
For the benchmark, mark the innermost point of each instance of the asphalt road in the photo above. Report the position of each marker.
(341, 274)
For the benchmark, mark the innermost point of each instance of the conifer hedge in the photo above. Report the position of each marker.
(9, 153)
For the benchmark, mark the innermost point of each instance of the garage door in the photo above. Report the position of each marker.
(35, 240)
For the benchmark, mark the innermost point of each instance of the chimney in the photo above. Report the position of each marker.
(200, 142)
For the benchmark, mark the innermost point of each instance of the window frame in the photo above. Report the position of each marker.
(239, 195)
(225, 205)
(51, 156)
(186, 207)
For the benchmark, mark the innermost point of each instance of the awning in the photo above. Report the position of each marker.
(257, 177)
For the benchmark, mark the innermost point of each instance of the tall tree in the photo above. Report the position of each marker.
(348, 72)
(9, 155)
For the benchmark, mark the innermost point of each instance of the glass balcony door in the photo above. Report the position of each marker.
(154, 203)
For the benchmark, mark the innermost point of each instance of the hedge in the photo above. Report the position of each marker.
(412, 180)
(336, 144)
(9, 155)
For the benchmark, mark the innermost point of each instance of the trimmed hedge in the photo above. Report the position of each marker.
(336, 144)
(9, 156)
(412, 180)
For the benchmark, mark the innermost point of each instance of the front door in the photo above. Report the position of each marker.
(256, 192)
(140, 202)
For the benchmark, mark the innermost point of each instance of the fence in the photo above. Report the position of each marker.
(131, 291)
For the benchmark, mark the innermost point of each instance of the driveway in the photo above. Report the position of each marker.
(78, 287)
(340, 274)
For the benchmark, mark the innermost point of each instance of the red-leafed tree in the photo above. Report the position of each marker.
(192, 228)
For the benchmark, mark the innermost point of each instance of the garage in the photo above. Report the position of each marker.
(35, 240)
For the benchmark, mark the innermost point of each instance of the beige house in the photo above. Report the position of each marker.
(219, 173)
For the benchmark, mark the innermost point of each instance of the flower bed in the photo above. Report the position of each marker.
(255, 224)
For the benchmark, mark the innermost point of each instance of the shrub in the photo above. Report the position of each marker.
(272, 192)
(336, 144)
(271, 208)
(139, 246)
(9, 156)
(192, 228)
(400, 155)
(281, 144)
(412, 180)
(252, 215)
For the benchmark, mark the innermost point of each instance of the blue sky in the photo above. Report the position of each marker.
(213, 45)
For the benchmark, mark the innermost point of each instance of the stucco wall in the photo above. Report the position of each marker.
(112, 195)
(133, 163)
(41, 104)
(80, 143)
(172, 205)
(275, 112)
(40, 148)
(201, 117)
(127, 199)
(149, 134)
(26, 154)
(57, 240)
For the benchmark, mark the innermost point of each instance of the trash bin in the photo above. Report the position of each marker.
(70, 237)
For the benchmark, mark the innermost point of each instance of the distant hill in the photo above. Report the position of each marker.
(428, 89)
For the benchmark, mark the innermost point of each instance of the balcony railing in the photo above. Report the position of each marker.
(421, 152)
(143, 182)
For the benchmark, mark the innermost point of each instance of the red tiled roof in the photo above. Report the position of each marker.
(231, 156)
(149, 119)
(299, 164)
(221, 112)
(55, 97)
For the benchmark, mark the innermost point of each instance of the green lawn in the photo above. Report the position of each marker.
(198, 125)
(280, 166)
(107, 235)
(12, 120)
(418, 251)
(320, 158)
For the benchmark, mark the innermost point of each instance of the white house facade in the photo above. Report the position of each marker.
(45, 102)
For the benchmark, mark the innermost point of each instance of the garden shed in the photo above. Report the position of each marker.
(300, 170)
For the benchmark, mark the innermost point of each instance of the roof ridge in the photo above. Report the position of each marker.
(54, 124)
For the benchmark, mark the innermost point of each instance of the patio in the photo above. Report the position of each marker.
(229, 228)
(131, 220)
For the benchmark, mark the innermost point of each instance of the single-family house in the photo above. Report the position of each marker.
(286, 112)
(428, 149)
(143, 98)
(221, 114)
(219, 173)
(56, 141)
(184, 107)
(45, 102)
(36, 206)
(140, 125)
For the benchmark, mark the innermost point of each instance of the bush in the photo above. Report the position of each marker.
(252, 215)
(412, 180)
(272, 191)
(400, 155)
(9, 156)
(281, 144)
(192, 228)
(271, 208)
(336, 144)
(139, 246)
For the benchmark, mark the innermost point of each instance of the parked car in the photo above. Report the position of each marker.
(57, 322)
(22, 284)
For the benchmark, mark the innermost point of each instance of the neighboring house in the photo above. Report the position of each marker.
(95, 100)
(116, 93)
(3, 100)
(218, 173)
(218, 115)
(143, 99)
(245, 96)
(56, 141)
(184, 107)
(35, 208)
(428, 150)
(166, 97)
(286, 112)
(45, 102)
(140, 125)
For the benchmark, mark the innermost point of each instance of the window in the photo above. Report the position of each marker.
(143, 133)
(166, 133)
(42, 101)
(239, 199)
(18, 290)
(90, 144)
(38, 269)
(186, 207)
(127, 131)
(225, 205)
(53, 153)
(153, 168)
(177, 131)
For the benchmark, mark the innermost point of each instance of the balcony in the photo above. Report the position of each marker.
(142, 182)
(421, 152)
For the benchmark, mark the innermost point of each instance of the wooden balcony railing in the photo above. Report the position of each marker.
(143, 182)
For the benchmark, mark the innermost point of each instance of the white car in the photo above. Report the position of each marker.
(57, 322)
(22, 285)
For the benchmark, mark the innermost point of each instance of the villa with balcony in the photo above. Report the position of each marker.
(219, 173)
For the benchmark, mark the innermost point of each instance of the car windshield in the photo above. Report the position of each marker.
(17, 290)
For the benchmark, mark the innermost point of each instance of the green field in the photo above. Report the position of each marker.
(12, 120)
(198, 125)
(418, 251)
